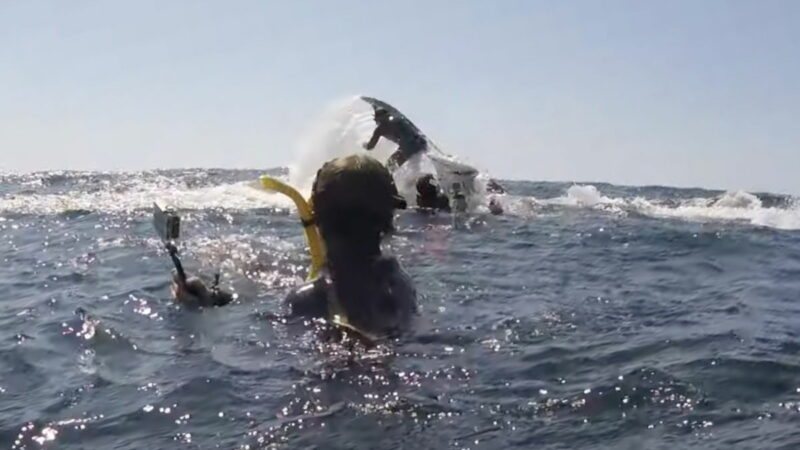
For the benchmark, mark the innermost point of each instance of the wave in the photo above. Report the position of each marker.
(199, 189)
(584, 195)
(738, 206)
(133, 193)
(732, 206)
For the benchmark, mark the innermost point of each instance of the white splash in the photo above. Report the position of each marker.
(236, 196)
(340, 130)
(344, 127)
(732, 206)
(738, 199)
(584, 196)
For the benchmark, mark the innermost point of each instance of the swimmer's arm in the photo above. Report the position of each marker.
(373, 141)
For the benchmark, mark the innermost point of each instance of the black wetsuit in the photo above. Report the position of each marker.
(195, 294)
(494, 187)
(429, 195)
(378, 300)
(438, 202)
(402, 133)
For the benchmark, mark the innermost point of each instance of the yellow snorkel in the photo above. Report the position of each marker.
(315, 246)
(356, 183)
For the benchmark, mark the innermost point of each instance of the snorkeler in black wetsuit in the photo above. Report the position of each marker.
(492, 186)
(194, 293)
(430, 196)
(353, 200)
(399, 131)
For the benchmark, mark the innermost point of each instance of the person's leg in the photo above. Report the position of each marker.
(397, 159)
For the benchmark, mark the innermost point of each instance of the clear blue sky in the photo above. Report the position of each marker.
(703, 93)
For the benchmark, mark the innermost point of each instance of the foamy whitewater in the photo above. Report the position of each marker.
(587, 316)
(192, 189)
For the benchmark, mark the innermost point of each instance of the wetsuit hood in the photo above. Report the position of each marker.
(355, 192)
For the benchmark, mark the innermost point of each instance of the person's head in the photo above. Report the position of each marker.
(495, 207)
(427, 187)
(354, 198)
(381, 115)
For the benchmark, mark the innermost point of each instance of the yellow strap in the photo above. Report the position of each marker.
(315, 246)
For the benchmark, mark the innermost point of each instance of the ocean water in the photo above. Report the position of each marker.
(588, 316)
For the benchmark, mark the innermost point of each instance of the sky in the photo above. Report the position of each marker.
(683, 93)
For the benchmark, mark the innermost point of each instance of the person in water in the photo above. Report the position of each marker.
(193, 292)
(492, 186)
(430, 196)
(353, 200)
(401, 132)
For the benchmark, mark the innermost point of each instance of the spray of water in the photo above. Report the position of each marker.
(340, 130)
(345, 126)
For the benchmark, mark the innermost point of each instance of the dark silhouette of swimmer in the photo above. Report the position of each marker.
(495, 207)
(192, 292)
(353, 200)
(430, 196)
(494, 187)
(400, 131)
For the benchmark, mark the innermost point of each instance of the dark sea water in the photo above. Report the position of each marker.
(589, 316)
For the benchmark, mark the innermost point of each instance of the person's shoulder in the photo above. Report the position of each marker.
(392, 271)
(388, 264)
(309, 299)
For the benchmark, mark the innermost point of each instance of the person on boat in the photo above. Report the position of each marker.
(400, 131)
